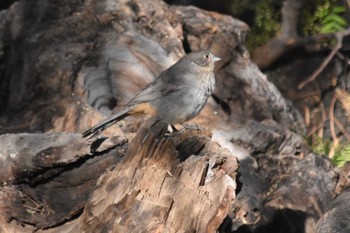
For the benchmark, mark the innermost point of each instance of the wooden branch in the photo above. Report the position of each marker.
(290, 12)
(316, 127)
(323, 114)
(339, 37)
(268, 53)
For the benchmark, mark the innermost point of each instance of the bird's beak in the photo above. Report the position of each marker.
(215, 59)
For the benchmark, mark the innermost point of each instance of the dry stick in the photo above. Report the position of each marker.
(307, 117)
(331, 127)
(315, 128)
(322, 66)
(342, 128)
(323, 113)
(339, 37)
(305, 95)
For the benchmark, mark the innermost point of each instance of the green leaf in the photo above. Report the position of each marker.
(342, 156)
(334, 18)
(338, 28)
(339, 9)
(328, 28)
(340, 20)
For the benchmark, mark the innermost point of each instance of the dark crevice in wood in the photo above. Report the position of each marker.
(97, 143)
(224, 105)
(45, 175)
(185, 44)
(204, 175)
(72, 217)
(192, 146)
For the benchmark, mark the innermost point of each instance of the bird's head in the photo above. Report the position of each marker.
(204, 59)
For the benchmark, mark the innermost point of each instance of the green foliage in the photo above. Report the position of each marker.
(334, 22)
(266, 24)
(312, 14)
(341, 155)
(322, 16)
(323, 147)
(263, 17)
(320, 146)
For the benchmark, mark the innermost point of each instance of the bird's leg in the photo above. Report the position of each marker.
(193, 127)
(171, 129)
(174, 128)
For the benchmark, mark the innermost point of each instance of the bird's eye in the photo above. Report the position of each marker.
(207, 56)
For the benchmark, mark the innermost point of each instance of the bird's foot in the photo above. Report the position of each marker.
(172, 130)
(193, 127)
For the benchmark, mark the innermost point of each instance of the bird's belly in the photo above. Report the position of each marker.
(184, 108)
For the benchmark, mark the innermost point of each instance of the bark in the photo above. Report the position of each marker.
(286, 39)
(148, 190)
(67, 64)
(49, 177)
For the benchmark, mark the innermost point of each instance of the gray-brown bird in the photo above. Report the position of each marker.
(177, 95)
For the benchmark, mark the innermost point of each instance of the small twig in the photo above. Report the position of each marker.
(32, 208)
(315, 128)
(305, 95)
(321, 67)
(324, 116)
(323, 113)
(332, 128)
(30, 198)
(319, 127)
(339, 37)
(307, 116)
(342, 128)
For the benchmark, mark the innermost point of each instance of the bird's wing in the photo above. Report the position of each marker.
(160, 87)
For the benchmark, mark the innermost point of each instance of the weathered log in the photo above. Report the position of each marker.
(49, 177)
(148, 189)
(151, 190)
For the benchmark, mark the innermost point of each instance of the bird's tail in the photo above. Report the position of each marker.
(106, 123)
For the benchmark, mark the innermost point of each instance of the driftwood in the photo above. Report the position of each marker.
(66, 63)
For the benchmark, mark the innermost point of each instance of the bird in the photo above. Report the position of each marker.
(177, 95)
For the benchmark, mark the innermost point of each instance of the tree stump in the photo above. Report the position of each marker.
(176, 183)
